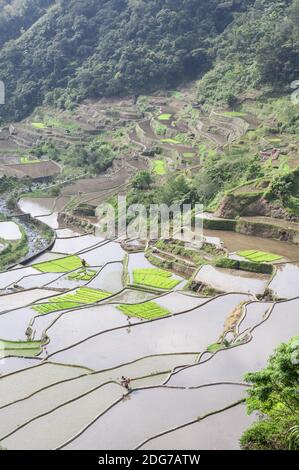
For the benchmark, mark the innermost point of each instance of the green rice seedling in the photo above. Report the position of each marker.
(265, 257)
(82, 296)
(146, 311)
(82, 275)
(159, 167)
(153, 271)
(188, 155)
(165, 117)
(169, 141)
(232, 114)
(54, 122)
(26, 160)
(38, 125)
(259, 256)
(20, 348)
(246, 253)
(215, 347)
(59, 265)
(154, 278)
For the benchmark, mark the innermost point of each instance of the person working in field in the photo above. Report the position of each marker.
(125, 382)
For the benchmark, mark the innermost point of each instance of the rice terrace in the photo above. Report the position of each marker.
(183, 341)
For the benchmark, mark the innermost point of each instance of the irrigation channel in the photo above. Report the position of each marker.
(96, 339)
(35, 239)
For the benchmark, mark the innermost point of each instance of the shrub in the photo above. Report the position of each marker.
(220, 224)
(244, 266)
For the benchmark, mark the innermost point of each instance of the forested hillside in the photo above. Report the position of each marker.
(62, 52)
(16, 16)
(149, 106)
(259, 50)
(92, 48)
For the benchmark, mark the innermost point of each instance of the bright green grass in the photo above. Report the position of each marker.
(159, 167)
(215, 347)
(177, 94)
(259, 256)
(188, 155)
(165, 117)
(60, 265)
(20, 348)
(232, 114)
(38, 125)
(156, 278)
(169, 141)
(51, 121)
(146, 311)
(293, 204)
(82, 296)
(83, 275)
(158, 272)
(26, 160)
(60, 124)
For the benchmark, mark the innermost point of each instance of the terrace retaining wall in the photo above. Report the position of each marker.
(69, 220)
(255, 229)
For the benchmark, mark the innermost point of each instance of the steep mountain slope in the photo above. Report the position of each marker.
(259, 50)
(97, 48)
(16, 16)
(237, 117)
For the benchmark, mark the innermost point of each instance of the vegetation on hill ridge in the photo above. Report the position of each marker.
(90, 48)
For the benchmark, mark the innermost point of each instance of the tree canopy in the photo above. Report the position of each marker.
(70, 49)
(275, 394)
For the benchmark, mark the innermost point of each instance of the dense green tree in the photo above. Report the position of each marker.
(176, 191)
(143, 180)
(16, 16)
(260, 48)
(275, 394)
(96, 156)
(282, 186)
(95, 48)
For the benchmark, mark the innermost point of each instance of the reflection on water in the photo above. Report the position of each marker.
(237, 242)
(159, 410)
(190, 332)
(219, 432)
(49, 431)
(10, 231)
(285, 284)
(13, 364)
(76, 326)
(180, 338)
(36, 206)
(229, 280)
(109, 279)
(233, 363)
(255, 314)
(31, 379)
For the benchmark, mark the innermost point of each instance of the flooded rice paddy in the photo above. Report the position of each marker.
(10, 231)
(171, 407)
(238, 242)
(228, 280)
(69, 394)
(285, 283)
(225, 427)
